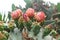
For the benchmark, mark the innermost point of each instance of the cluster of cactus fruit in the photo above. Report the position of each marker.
(31, 20)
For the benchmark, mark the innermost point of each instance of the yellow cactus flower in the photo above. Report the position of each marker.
(20, 19)
(11, 24)
(1, 23)
(2, 36)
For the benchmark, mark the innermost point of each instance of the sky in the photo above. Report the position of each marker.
(53, 1)
(5, 5)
